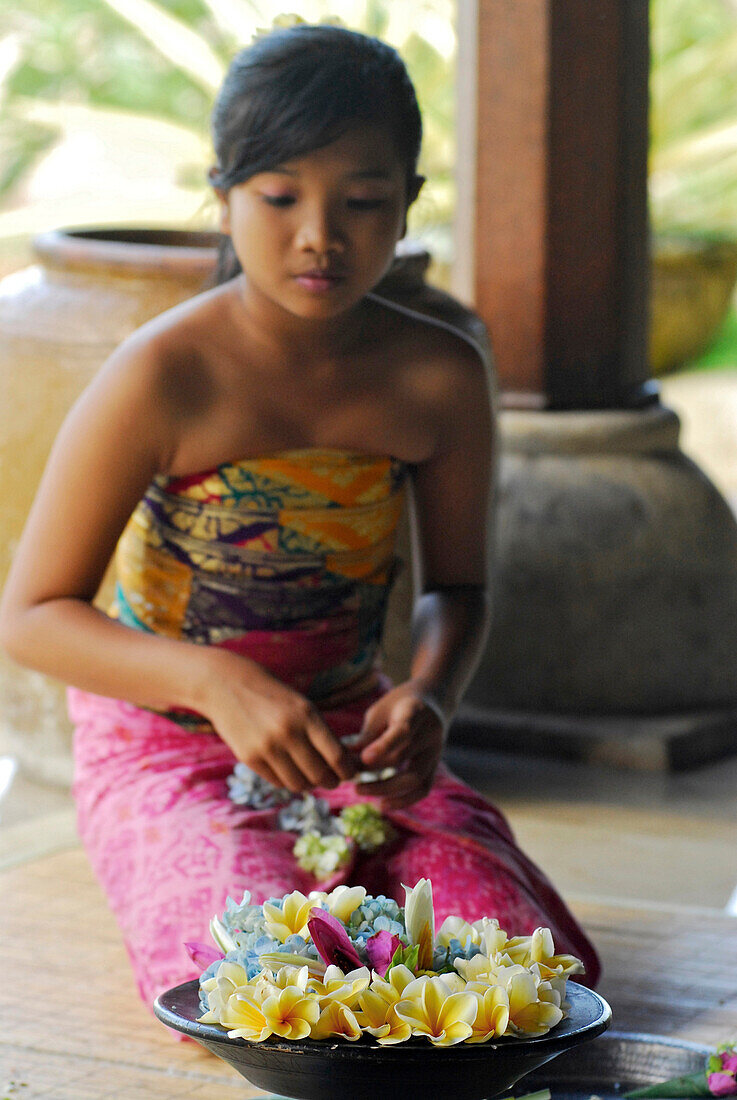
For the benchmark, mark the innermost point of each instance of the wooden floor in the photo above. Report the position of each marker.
(72, 1026)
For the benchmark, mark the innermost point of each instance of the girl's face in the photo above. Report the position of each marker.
(315, 234)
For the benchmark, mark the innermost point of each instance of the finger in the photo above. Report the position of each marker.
(406, 719)
(402, 790)
(261, 768)
(374, 721)
(313, 764)
(389, 749)
(290, 775)
(342, 762)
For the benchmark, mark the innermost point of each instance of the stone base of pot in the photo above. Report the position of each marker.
(664, 742)
(615, 594)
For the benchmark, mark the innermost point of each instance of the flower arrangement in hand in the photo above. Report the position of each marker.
(346, 964)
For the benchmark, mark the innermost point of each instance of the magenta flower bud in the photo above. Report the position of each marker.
(722, 1084)
(380, 949)
(202, 954)
(729, 1061)
(332, 941)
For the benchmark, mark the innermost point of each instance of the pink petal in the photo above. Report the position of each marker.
(380, 949)
(722, 1084)
(202, 954)
(332, 942)
(729, 1061)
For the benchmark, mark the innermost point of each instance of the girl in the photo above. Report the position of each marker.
(253, 446)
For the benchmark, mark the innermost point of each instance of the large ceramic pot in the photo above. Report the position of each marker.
(692, 285)
(59, 320)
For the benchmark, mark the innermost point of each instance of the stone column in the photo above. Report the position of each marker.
(615, 573)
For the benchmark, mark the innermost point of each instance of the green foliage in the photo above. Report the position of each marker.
(693, 115)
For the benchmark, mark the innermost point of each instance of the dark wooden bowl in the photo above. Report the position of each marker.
(364, 1070)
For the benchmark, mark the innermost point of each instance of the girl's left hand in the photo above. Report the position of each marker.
(402, 730)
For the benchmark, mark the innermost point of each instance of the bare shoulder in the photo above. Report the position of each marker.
(164, 372)
(440, 371)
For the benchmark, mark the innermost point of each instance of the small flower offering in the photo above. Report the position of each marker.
(717, 1078)
(346, 964)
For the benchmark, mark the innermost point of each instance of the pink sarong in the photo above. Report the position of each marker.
(168, 846)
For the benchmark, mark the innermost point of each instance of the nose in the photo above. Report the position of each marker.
(319, 231)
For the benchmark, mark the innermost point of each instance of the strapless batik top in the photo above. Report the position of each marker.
(287, 559)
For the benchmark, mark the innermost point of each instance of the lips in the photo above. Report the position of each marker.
(320, 281)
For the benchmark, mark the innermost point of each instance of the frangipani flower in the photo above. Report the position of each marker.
(275, 960)
(492, 938)
(292, 919)
(290, 1012)
(343, 901)
(269, 981)
(337, 1019)
(419, 920)
(492, 1014)
(379, 1018)
(540, 948)
(332, 941)
(394, 984)
(229, 977)
(244, 1017)
(483, 968)
(456, 928)
(339, 987)
(528, 1015)
(430, 1009)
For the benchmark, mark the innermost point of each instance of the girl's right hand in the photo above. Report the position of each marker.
(271, 728)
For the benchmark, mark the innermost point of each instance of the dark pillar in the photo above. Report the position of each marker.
(561, 273)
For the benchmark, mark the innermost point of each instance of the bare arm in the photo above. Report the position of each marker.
(117, 436)
(452, 491)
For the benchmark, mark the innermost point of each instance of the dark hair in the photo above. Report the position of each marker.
(295, 90)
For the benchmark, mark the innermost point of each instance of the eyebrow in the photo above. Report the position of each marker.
(364, 174)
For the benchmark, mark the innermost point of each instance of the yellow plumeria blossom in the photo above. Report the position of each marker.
(343, 900)
(378, 1005)
(379, 1017)
(484, 933)
(290, 1013)
(430, 1009)
(483, 968)
(292, 919)
(337, 1019)
(456, 928)
(492, 1013)
(335, 986)
(244, 1017)
(540, 948)
(530, 1012)
(269, 981)
(275, 960)
(492, 938)
(218, 989)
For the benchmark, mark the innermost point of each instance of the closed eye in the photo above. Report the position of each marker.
(278, 200)
(366, 204)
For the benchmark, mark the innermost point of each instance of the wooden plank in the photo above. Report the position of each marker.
(75, 1027)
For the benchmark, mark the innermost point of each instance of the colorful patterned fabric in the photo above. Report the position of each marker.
(288, 560)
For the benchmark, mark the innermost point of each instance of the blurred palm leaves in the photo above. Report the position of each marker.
(117, 70)
(693, 164)
(115, 67)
